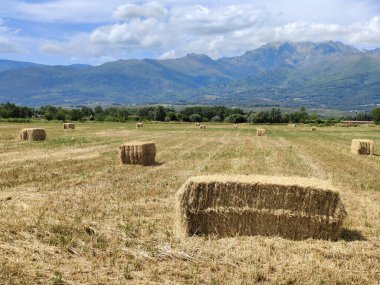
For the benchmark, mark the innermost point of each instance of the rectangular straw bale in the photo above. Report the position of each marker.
(197, 124)
(67, 126)
(291, 207)
(202, 126)
(143, 153)
(139, 125)
(260, 132)
(292, 125)
(313, 129)
(33, 134)
(362, 147)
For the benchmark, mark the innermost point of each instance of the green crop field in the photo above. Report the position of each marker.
(70, 213)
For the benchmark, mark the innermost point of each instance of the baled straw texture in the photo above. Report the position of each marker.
(363, 147)
(33, 134)
(197, 124)
(292, 207)
(143, 153)
(292, 125)
(260, 132)
(202, 126)
(67, 126)
(139, 125)
(313, 129)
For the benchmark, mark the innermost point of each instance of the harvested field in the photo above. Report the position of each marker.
(291, 207)
(70, 213)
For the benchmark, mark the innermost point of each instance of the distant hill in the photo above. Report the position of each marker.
(315, 75)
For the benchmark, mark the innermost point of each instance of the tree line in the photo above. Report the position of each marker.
(168, 114)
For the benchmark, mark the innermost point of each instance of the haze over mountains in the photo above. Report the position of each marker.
(304, 74)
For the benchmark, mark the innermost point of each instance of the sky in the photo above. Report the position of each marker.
(97, 31)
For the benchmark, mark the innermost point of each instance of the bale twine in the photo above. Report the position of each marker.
(313, 129)
(202, 126)
(291, 207)
(139, 125)
(362, 147)
(67, 126)
(33, 134)
(143, 153)
(260, 132)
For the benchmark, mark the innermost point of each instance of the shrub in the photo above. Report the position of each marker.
(215, 119)
(235, 119)
(195, 118)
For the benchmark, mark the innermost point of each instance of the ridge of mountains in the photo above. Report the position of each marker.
(302, 74)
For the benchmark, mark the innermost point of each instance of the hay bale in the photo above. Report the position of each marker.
(33, 134)
(235, 126)
(260, 132)
(313, 129)
(290, 207)
(362, 147)
(68, 126)
(139, 125)
(292, 125)
(143, 153)
(197, 124)
(202, 126)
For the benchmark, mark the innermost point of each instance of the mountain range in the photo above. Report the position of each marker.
(302, 74)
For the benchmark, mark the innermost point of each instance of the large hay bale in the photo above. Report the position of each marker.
(139, 125)
(202, 126)
(313, 129)
(33, 134)
(143, 153)
(197, 124)
(292, 125)
(260, 132)
(67, 126)
(362, 147)
(291, 207)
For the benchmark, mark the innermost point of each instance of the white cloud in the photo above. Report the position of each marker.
(148, 10)
(176, 29)
(7, 44)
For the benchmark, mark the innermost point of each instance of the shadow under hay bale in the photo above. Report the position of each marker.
(290, 207)
(143, 153)
(362, 147)
(33, 134)
(352, 235)
(68, 126)
(260, 132)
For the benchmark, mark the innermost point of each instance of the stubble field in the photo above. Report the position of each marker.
(70, 213)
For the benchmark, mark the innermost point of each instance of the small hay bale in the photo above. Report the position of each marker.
(68, 126)
(362, 147)
(291, 207)
(197, 124)
(292, 125)
(33, 134)
(235, 126)
(260, 132)
(143, 153)
(313, 129)
(202, 126)
(139, 125)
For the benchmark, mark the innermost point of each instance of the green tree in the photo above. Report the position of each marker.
(376, 115)
(159, 113)
(195, 118)
(235, 119)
